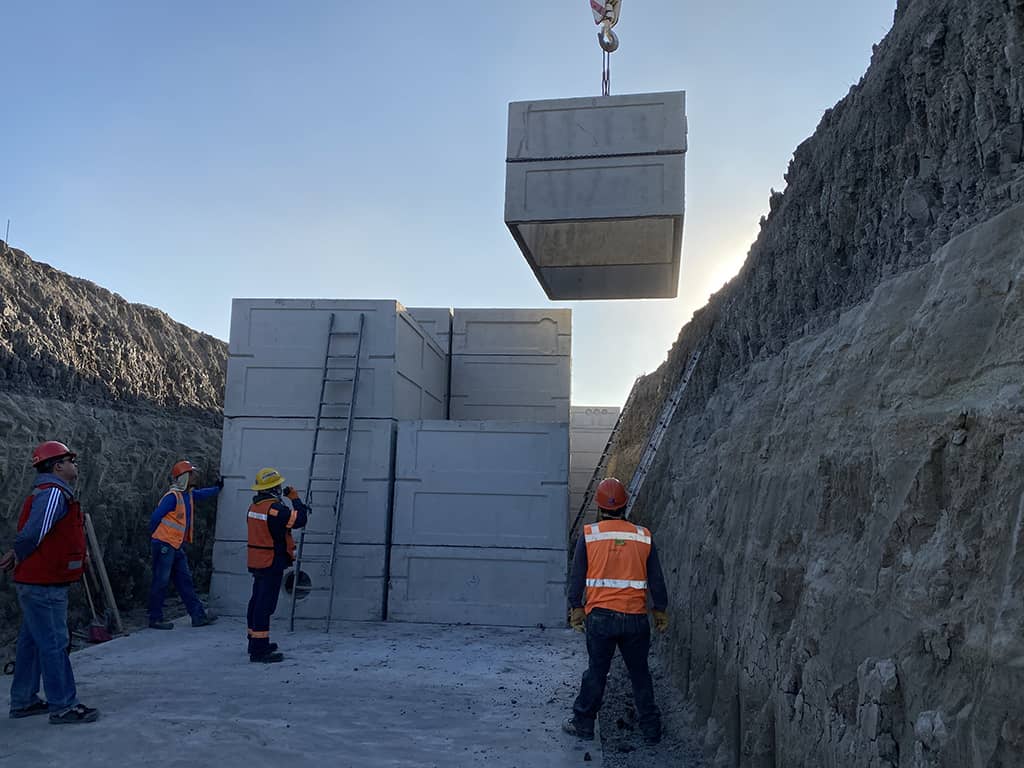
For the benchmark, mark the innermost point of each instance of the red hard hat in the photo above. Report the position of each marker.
(51, 449)
(182, 467)
(611, 494)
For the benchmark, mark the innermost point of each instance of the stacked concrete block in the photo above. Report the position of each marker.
(479, 534)
(275, 366)
(594, 193)
(589, 430)
(511, 364)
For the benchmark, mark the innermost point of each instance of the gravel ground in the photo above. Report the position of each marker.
(620, 737)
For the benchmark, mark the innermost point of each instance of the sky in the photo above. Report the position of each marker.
(184, 153)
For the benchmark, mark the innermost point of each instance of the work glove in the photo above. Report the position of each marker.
(660, 620)
(220, 483)
(291, 493)
(8, 561)
(577, 619)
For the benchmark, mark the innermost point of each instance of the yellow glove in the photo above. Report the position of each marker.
(660, 620)
(577, 618)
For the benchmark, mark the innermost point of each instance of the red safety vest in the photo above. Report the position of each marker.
(172, 528)
(261, 543)
(60, 556)
(617, 554)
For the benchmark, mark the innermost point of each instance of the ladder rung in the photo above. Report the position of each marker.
(328, 453)
(332, 403)
(342, 380)
(316, 559)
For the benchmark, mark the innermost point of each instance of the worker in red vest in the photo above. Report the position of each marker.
(271, 549)
(48, 556)
(616, 566)
(170, 528)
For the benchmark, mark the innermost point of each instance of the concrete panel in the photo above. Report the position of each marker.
(286, 444)
(597, 417)
(483, 484)
(437, 321)
(631, 124)
(585, 441)
(595, 194)
(358, 594)
(511, 387)
(276, 356)
(469, 585)
(512, 332)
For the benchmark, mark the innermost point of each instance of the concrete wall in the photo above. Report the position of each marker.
(589, 430)
(511, 364)
(276, 356)
(479, 523)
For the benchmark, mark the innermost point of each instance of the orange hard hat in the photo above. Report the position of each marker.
(51, 449)
(182, 467)
(611, 494)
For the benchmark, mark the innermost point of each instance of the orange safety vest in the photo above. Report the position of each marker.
(261, 543)
(172, 529)
(617, 553)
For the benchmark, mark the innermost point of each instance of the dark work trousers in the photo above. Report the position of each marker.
(266, 586)
(631, 634)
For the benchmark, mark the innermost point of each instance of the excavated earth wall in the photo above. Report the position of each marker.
(123, 385)
(839, 501)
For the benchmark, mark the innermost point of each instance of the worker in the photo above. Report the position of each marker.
(271, 549)
(170, 528)
(49, 555)
(616, 565)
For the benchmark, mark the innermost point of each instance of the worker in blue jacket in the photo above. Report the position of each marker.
(170, 528)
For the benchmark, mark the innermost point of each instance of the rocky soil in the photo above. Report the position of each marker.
(839, 501)
(127, 388)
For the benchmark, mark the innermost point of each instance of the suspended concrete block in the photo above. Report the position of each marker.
(594, 193)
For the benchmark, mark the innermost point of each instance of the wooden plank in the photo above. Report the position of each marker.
(101, 568)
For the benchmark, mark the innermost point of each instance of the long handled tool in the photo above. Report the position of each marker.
(98, 632)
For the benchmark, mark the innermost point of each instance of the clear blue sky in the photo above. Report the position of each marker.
(184, 153)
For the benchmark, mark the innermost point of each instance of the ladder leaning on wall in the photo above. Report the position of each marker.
(658, 432)
(602, 465)
(320, 429)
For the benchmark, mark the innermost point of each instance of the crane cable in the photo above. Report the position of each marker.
(606, 16)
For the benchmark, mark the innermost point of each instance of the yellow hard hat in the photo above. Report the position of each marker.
(267, 478)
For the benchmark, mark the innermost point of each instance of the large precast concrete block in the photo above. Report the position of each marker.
(437, 321)
(594, 193)
(512, 332)
(287, 445)
(276, 357)
(532, 388)
(481, 484)
(358, 583)
(473, 585)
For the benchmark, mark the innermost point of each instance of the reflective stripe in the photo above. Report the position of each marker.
(171, 524)
(259, 634)
(617, 583)
(291, 519)
(74, 565)
(618, 536)
(257, 515)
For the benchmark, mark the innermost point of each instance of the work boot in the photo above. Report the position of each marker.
(203, 621)
(572, 727)
(161, 625)
(270, 657)
(37, 707)
(77, 714)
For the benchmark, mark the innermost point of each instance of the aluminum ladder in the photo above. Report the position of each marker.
(658, 432)
(602, 465)
(320, 430)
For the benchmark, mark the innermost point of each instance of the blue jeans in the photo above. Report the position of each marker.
(631, 634)
(170, 564)
(43, 649)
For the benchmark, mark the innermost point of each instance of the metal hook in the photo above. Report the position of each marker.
(607, 39)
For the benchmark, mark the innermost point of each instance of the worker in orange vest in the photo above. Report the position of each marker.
(271, 549)
(170, 529)
(616, 566)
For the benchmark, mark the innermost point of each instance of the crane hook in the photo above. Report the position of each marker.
(607, 38)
